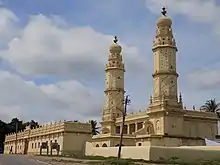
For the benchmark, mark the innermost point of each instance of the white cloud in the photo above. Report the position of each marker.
(47, 46)
(62, 100)
(206, 79)
(8, 28)
(202, 11)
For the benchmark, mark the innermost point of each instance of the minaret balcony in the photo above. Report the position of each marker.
(165, 73)
(114, 90)
(114, 67)
(165, 45)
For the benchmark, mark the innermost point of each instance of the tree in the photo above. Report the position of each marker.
(211, 106)
(94, 126)
(6, 128)
(33, 124)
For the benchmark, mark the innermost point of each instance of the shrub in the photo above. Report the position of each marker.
(117, 162)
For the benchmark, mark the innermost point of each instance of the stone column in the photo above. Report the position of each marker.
(136, 127)
(128, 129)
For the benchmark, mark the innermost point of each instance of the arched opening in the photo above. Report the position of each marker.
(104, 145)
(158, 126)
(149, 127)
(148, 130)
(97, 145)
(118, 129)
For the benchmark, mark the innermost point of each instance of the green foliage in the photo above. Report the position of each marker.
(99, 160)
(211, 106)
(117, 162)
(6, 128)
(177, 161)
(82, 156)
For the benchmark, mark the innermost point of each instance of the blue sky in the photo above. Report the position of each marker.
(56, 50)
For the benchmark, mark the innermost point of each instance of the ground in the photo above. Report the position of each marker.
(73, 161)
(18, 160)
(45, 160)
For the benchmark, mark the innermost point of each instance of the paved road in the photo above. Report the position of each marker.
(19, 160)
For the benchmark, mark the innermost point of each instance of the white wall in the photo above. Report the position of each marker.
(190, 153)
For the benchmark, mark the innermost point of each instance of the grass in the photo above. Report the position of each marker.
(99, 160)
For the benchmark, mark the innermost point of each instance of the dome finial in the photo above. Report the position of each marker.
(115, 39)
(115, 47)
(164, 12)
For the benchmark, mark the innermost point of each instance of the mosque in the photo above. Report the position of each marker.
(165, 122)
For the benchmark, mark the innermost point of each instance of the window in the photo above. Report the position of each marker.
(32, 145)
(38, 144)
(139, 144)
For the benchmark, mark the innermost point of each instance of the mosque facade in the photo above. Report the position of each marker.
(165, 122)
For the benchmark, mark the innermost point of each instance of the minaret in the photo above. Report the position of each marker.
(114, 88)
(164, 51)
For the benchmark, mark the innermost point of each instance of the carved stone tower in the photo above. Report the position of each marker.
(114, 88)
(165, 74)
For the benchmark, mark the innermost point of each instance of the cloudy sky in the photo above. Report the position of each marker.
(53, 52)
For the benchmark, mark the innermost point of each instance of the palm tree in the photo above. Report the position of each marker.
(211, 106)
(94, 127)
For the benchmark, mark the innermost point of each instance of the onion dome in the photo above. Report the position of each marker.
(164, 20)
(115, 47)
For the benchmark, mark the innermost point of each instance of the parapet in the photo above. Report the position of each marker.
(142, 113)
(200, 114)
(56, 127)
(77, 127)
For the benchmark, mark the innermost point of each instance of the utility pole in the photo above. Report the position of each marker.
(16, 136)
(124, 112)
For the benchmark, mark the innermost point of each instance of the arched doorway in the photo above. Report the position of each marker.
(104, 145)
